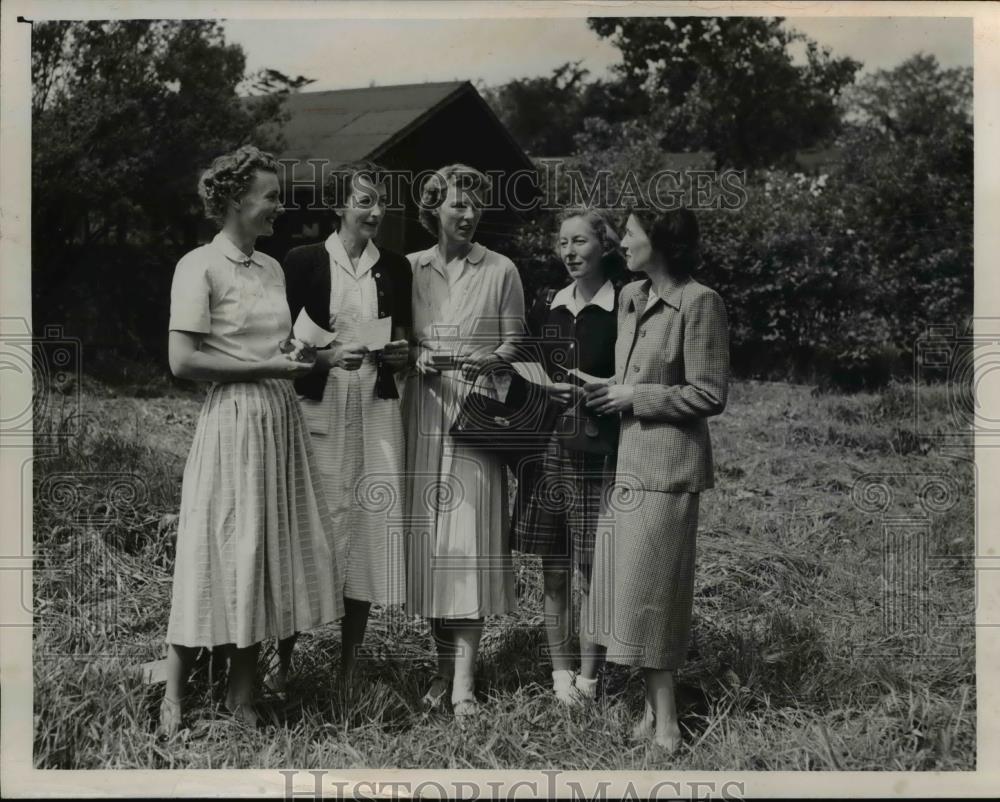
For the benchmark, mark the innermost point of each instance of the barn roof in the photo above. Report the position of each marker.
(360, 123)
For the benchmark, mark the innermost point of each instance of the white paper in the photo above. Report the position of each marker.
(374, 334)
(533, 372)
(306, 330)
(588, 378)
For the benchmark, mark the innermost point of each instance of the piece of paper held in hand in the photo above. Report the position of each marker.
(533, 372)
(306, 330)
(374, 334)
(587, 378)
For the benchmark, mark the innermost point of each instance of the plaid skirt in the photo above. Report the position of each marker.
(557, 505)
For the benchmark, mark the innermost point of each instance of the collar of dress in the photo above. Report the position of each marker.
(604, 298)
(338, 253)
(229, 249)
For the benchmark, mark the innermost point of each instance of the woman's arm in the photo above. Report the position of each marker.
(512, 324)
(188, 362)
(706, 368)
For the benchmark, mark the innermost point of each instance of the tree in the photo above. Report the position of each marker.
(544, 114)
(729, 84)
(124, 115)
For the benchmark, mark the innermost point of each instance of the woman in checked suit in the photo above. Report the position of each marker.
(671, 374)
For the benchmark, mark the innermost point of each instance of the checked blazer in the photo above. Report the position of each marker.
(675, 352)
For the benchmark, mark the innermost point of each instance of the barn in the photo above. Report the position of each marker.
(413, 128)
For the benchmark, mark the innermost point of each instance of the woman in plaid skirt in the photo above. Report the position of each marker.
(671, 374)
(559, 496)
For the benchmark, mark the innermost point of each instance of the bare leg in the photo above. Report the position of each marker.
(445, 649)
(352, 635)
(179, 662)
(242, 678)
(660, 694)
(463, 693)
(557, 614)
(591, 654)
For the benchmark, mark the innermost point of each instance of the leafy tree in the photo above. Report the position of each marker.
(729, 84)
(544, 114)
(124, 115)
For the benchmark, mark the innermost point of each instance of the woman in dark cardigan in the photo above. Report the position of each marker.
(350, 402)
(559, 498)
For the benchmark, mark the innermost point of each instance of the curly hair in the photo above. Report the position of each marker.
(435, 189)
(342, 180)
(674, 235)
(612, 260)
(230, 177)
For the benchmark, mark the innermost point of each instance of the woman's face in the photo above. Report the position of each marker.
(365, 208)
(636, 245)
(579, 248)
(260, 206)
(459, 215)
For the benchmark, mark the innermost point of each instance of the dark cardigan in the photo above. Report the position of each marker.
(307, 284)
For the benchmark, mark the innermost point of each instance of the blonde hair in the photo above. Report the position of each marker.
(435, 190)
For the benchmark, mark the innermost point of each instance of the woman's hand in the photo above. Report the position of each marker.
(423, 363)
(348, 356)
(607, 399)
(285, 366)
(473, 366)
(562, 392)
(396, 354)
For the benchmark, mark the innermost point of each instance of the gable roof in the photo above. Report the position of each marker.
(360, 123)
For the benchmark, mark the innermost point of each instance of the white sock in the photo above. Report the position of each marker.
(562, 684)
(588, 687)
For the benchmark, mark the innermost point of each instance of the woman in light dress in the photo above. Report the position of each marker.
(255, 553)
(351, 402)
(468, 315)
(671, 375)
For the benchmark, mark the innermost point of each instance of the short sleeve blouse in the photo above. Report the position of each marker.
(237, 301)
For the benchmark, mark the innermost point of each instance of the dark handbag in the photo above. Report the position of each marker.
(514, 429)
(581, 430)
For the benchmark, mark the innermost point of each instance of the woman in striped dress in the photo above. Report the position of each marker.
(255, 554)
(671, 375)
(351, 401)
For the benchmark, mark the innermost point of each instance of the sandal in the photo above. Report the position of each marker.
(170, 718)
(432, 700)
(465, 709)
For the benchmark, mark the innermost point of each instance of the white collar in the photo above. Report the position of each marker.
(369, 256)
(604, 298)
(233, 253)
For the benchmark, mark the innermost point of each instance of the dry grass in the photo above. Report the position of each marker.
(791, 667)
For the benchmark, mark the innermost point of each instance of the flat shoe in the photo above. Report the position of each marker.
(465, 708)
(434, 697)
(170, 718)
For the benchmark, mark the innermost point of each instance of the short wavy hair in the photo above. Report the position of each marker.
(342, 180)
(673, 234)
(612, 260)
(230, 176)
(435, 189)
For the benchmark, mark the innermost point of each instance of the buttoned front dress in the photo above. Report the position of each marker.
(458, 555)
(358, 440)
(255, 554)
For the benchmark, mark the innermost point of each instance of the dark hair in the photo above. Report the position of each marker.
(343, 179)
(674, 235)
(229, 177)
(612, 260)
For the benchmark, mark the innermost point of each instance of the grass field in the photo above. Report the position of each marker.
(808, 651)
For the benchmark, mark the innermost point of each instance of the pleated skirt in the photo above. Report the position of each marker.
(642, 584)
(255, 551)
